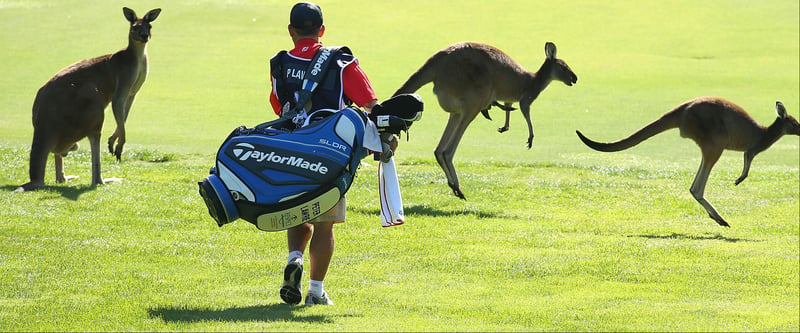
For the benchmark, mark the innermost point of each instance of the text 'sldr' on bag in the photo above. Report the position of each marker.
(276, 179)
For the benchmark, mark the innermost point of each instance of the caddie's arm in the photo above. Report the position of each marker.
(369, 105)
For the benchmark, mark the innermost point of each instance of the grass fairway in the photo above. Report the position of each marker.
(556, 238)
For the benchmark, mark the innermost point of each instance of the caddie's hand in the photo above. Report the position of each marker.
(389, 145)
(285, 111)
(390, 139)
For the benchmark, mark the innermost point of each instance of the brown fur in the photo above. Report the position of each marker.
(468, 78)
(71, 104)
(715, 125)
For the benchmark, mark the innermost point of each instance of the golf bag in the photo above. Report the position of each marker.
(276, 179)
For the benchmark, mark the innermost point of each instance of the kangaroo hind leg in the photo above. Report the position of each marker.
(446, 149)
(94, 146)
(43, 143)
(710, 157)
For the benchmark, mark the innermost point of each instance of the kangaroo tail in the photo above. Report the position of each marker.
(421, 77)
(669, 120)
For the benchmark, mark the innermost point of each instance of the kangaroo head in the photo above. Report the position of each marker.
(140, 28)
(556, 69)
(790, 124)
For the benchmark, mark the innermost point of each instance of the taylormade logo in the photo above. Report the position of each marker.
(245, 151)
(318, 65)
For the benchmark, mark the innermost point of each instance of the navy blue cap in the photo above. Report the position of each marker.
(306, 16)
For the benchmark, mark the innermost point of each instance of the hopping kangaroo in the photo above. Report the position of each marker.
(469, 77)
(714, 124)
(71, 104)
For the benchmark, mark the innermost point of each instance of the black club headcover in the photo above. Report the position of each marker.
(396, 114)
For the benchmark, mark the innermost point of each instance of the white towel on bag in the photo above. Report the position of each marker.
(372, 140)
(391, 201)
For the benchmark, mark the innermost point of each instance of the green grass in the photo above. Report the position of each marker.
(556, 238)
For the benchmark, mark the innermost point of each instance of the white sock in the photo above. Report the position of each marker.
(315, 287)
(295, 254)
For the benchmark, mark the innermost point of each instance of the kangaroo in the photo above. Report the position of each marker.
(468, 78)
(71, 104)
(715, 124)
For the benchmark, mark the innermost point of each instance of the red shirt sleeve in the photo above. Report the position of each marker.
(273, 98)
(356, 85)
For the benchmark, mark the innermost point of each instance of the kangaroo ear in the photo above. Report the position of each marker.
(781, 110)
(151, 15)
(130, 15)
(550, 50)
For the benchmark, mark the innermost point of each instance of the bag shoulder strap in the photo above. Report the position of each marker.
(275, 65)
(314, 74)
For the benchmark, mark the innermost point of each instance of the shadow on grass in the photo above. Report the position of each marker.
(68, 192)
(695, 237)
(426, 210)
(265, 313)
(431, 211)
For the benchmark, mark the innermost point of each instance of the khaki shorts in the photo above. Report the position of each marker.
(337, 214)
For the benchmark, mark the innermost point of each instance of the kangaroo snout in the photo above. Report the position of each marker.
(568, 76)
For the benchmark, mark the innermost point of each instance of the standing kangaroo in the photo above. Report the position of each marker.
(714, 124)
(71, 104)
(468, 78)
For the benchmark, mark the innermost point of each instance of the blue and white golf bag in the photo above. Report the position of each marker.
(277, 179)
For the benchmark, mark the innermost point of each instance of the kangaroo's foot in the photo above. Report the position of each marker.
(457, 191)
(503, 129)
(112, 180)
(712, 212)
(30, 186)
(720, 220)
(63, 179)
(118, 152)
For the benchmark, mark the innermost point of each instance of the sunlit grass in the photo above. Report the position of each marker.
(555, 238)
